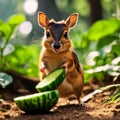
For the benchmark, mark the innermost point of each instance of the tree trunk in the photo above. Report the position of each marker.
(95, 10)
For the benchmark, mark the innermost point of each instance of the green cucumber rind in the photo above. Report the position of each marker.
(38, 102)
(55, 81)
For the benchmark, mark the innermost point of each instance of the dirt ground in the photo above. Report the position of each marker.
(94, 109)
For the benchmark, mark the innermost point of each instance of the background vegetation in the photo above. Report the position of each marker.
(96, 37)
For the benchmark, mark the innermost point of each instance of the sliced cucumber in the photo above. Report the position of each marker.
(52, 81)
(38, 102)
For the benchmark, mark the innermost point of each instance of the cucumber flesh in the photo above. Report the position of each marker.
(38, 102)
(52, 80)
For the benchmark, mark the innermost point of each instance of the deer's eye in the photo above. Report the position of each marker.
(65, 35)
(48, 34)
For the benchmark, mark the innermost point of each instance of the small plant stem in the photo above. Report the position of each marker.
(1, 53)
(1, 59)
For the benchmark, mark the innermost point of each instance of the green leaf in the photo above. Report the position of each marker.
(9, 48)
(102, 28)
(113, 73)
(16, 19)
(116, 49)
(104, 68)
(5, 79)
(114, 70)
(6, 30)
(90, 59)
(116, 61)
(106, 40)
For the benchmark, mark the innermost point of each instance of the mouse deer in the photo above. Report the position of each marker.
(57, 52)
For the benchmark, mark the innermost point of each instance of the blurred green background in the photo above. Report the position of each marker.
(95, 38)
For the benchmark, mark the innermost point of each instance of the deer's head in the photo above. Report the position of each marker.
(56, 36)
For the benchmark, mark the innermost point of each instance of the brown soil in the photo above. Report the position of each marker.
(94, 109)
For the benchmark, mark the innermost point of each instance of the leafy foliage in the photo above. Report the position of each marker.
(24, 60)
(5, 79)
(6, 31)
(114, 98)
(100, 46)
(20, 58)
(100, 51)
(102, 29)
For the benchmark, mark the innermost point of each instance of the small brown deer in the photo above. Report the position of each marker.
(57, 52)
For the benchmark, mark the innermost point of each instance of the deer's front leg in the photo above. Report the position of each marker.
(42, 69)
(68, 65)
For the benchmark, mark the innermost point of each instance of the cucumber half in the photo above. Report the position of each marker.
(38, 102)
(51, 81)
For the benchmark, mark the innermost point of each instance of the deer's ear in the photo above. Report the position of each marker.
(43, 19)
(72, 20)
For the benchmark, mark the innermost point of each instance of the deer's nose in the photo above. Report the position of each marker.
(56, 45)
